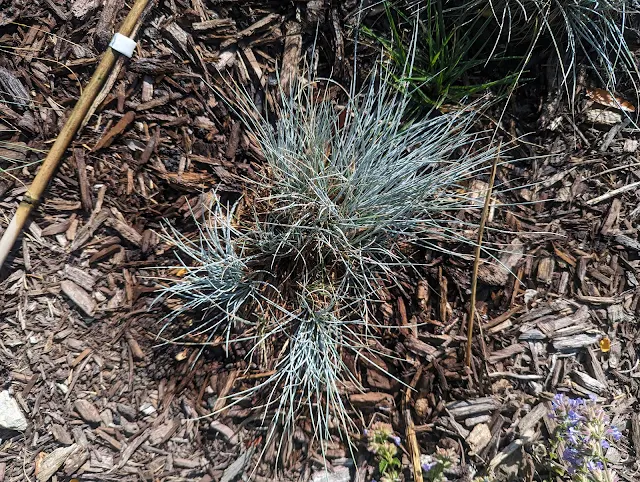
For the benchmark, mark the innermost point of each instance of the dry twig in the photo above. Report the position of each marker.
(476, 263)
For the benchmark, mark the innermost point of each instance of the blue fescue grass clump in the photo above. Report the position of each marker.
(217, 282)
(583, 434)
(340, 198)
(346, 195)
(591, 32)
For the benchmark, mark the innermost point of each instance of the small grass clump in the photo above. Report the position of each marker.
(347, 196)
(449, 56)
(463, 48)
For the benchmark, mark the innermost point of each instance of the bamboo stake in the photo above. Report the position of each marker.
(476, 263)
(50, 164)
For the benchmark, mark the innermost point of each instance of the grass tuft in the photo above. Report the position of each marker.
(576, 31)
(464, 48)
(346, 190)
(449, 59)
(217, 282)
(347, 195)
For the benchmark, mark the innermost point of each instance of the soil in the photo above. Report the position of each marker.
(107, 398)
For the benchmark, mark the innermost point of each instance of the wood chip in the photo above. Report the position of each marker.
(234, 470)
(164, 432)
(479, 438)
(86, 232)
(498, 273)
(129, 449)
(259, 25)
(87, 411)
(126, 231)
(336, 474)
(291, 56)
(104, 253)
(79, 277)
(546, 267)
(186, 463)
(85, 189)
(373, 400)
(575, 342)
(508, 352)
(550, 326)
(611, 222)
(468, 408)
(213, 24)
(12, 87)
(635, 433)
(112, 442)
(104, 28)
(532, 417)
(421, 348)
(627, 242)
(588, 382)
(61, 435)
(79, 296)
(602, 117)
(53, 461)
(76, 460)
(119, 128)
(228, 434)
(13, 152)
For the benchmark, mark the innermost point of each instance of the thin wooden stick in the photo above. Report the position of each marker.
(50, 164)
(476, 263)
(410, 428)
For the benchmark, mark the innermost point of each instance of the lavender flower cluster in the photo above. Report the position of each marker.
(584, 432)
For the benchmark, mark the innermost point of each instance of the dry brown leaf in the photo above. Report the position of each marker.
(603, 97)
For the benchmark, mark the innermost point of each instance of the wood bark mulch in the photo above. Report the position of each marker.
(105, 399)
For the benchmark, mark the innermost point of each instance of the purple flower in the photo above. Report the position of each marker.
(594, 465)
(585, 431)
(614, 433)
(573, 416)
(558, 401)
(571, 456)
(428, 466)
(573, 435)
(396, 440)
(575, 403)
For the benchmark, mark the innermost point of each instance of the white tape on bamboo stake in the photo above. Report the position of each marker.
(123, 44)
